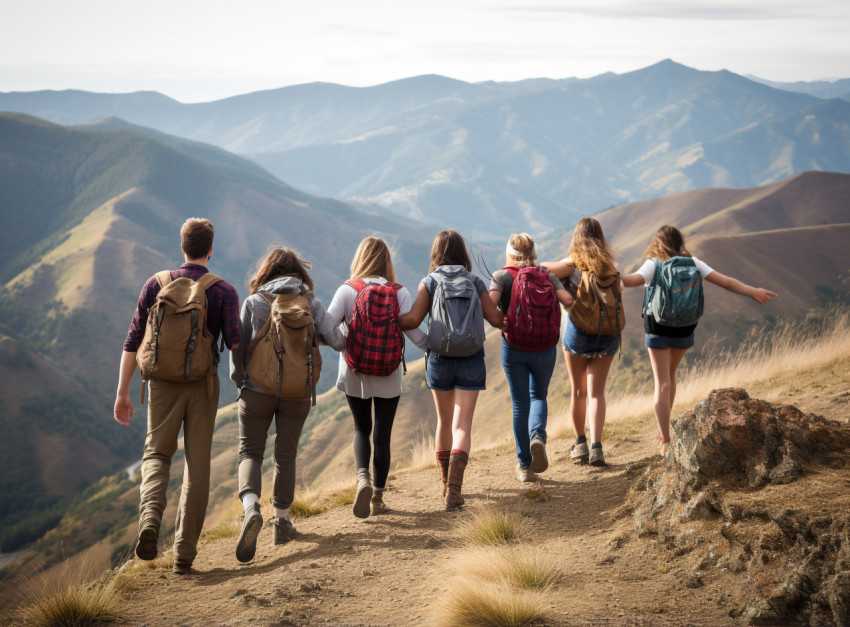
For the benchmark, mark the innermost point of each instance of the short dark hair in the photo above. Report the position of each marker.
(196, 237)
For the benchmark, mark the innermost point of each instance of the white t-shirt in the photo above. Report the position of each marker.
(647, 270)
(366, 385)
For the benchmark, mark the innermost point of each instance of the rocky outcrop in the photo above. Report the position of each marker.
(725, 498)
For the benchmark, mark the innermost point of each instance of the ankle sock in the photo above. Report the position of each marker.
(581, 439)
(281, 512)
(596, 445)
(249, 499)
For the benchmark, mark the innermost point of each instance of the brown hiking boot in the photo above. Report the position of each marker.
(443, 462)
(147, 546)
(283, 531)
(377, 505)
(457, 464)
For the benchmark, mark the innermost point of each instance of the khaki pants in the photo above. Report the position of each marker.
(170, 407)
(256, 412)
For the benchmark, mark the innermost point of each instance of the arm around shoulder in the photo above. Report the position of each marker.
(561, 269)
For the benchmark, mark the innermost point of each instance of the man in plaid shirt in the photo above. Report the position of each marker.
(172, 405)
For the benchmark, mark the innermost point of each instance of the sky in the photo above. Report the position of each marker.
(197, 51)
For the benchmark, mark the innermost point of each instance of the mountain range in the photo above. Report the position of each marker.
(492, 157)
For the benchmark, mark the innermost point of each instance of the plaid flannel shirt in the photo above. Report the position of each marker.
(222, 308)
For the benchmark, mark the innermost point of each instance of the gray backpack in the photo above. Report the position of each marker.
(456, 324)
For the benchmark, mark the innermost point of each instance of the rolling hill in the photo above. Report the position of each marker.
(491, 157)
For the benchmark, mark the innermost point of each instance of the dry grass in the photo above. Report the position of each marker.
(489, 527)
(317, 501)
(422, 452)
(520, 567)
(477, 604)
(70, 600)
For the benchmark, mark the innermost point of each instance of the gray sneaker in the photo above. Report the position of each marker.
(251, 525)
(362, 497)
(596, 457)
(579, 454)
(284, 530)
(525, 474)
(539, 460)
(377, 505)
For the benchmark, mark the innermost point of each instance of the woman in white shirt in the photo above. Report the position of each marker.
(667, 344)
(372, 264)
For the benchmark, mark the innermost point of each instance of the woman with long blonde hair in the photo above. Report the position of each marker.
(588, 355)
(371, 269)
(667, 344)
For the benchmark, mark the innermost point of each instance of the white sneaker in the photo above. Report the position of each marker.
(525, 474)
(539, 460)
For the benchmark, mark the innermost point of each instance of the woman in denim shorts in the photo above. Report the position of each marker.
(667, 345)
(589, 357)
(454, 381)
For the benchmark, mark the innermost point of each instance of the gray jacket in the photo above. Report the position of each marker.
(256, 310)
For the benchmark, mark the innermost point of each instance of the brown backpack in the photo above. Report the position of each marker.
(598, 307)
(177, 346)
(284, 358)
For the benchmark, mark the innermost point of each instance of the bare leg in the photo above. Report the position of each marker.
(444, 402)
(577, 367)
(597, 375)
(676, 356)
(464, 407)
(664, 393)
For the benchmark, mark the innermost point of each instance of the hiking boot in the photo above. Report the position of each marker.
(457, 464)
(443, 462)
(251, 525)
(363, 495)
(147, 545)
(579, 454)
(525, 474)
(183, 567)
(377, 505)
(539, 460)
(283, 530)
(596, 457)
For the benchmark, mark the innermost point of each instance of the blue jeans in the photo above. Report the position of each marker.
(528, 374)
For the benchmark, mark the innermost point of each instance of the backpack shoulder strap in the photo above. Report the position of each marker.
(357, 284)
(208, 280)
(163, 278)
(395, 286)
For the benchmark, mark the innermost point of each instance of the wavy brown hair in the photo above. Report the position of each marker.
(373, 259)
(589, 252)
(449, 249)
(668, 242)
(280, 262)
(524, 245)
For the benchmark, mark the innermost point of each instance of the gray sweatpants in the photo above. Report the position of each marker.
(256, 411)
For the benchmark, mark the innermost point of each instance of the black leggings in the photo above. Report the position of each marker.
(361, 409)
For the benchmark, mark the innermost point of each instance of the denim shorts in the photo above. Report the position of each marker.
(661, 342)
(463, 373)
(588, 345)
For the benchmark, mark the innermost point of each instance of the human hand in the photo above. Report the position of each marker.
(123, 410)
(761, 296)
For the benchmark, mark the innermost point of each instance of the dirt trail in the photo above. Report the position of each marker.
(394, 569)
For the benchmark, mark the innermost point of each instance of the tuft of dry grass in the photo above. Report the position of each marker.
(520, 567)
(422, 452)
(70, 600)
(227, 529)
(476, 604)
(342, 496)
(489, 527)
(317, 501)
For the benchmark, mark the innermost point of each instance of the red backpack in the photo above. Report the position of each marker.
(534, 315)
(375, 343)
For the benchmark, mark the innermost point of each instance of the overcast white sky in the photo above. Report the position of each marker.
(196, 50)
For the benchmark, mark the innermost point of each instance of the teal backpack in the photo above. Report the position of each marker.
(675, 297)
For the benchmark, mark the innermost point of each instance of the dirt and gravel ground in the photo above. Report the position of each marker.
(396, 568)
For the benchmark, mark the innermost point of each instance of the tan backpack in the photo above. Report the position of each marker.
(284, 358)
(177, 346)
(598, 307)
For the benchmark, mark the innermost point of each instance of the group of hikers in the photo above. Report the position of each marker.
(275, 361)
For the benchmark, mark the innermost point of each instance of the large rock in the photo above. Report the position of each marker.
(707, 504)
(733, 439)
